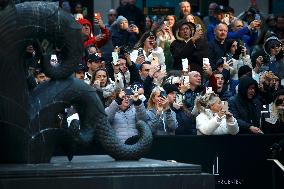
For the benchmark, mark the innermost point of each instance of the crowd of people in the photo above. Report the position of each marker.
(185, 75)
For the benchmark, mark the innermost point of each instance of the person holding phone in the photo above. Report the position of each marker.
(146, 49)
(213, 118)
(122, 34)
(124, 112)
(185, 119)
(189, 44)
(162, 119)
(87, 31)
(236, 56)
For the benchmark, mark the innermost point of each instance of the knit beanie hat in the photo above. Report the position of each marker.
(120, 19)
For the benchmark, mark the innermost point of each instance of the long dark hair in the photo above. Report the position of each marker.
(95, 73)
(140, 43)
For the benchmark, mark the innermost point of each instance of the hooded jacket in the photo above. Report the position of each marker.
(246, 111)
(194, 52)
(92, 40)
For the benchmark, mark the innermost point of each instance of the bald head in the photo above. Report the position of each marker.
(221, 32)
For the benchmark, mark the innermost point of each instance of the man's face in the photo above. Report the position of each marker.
(220, 80)
(86, 30)
(112, 15)
(123, 25)
(172, 97)
(251, 91)
(40, 78)
(184, 32)
(211, 9)
(221, 32)
(80, 75)
(144, 72)
(122, 65)
(237, 25)
(219, 16)
(195, 79)
(185, 8)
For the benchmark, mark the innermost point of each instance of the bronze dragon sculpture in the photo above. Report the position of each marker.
(27, 118)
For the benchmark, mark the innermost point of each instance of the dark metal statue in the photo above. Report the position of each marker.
(27, 119)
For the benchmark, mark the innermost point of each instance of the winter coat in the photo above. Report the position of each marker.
(186, 122)
(91, 40)
(246, 111)
(193, 52)
(123, 38)
(163, 124)
(209, 124)
(124, 122)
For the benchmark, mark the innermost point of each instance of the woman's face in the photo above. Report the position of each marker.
(123, 25)
(234, 47)
(217, 106)
(190, 18)
(157, 98)
(102, 77)
(171, 20)
(280, 102)
(150, 42)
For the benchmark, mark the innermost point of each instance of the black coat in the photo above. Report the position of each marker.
(246, 111)
(193, 52)
(216, 50)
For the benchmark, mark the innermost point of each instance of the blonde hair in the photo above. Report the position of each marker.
(151, 104)
(203, 102)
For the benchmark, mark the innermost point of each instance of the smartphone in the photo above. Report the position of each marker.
(97, 15)
(226, 15)
(179, 98)
(155, 61)
(225, 106)
(206, 62)
(128, 92)
(184, 65)
(230, 62)
(209, 90)
(198, 27)
(185, 79)
(140, 52)
(114, 58)
(163, 94)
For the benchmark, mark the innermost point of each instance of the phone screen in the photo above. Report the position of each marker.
(97, 15)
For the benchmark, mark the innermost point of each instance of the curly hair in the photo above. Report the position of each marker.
(203, 102)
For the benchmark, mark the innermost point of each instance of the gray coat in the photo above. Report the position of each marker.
(163, 124)
(124, 122)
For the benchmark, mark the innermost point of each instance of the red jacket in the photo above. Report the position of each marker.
(92, 40)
